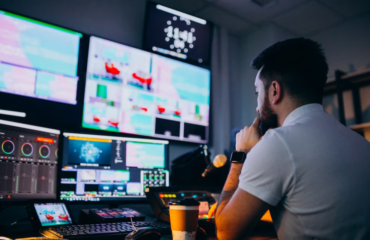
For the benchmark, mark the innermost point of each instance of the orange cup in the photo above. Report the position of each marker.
(184, 219)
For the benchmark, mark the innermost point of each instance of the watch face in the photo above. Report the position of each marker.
(238, 157)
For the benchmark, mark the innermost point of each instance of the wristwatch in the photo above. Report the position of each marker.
(238, 157)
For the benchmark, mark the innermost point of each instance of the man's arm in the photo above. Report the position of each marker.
(230, 186)
(238, 211)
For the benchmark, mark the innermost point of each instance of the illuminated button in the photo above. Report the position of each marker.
(166, 195)
(161, 195)
(194, 196)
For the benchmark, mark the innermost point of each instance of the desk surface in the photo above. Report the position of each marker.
(263, 231)
(28, 234)
(257, 235)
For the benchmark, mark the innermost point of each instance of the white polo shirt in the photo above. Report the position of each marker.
(315, 172)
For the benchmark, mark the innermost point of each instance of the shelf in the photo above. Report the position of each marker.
(360, 78)
(363, 127)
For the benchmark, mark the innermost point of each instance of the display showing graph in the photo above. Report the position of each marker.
(134, 188)
(145, 155)
(57, 87)
(38, 59)
(51, 214)
(87, 175)
(132, 91)
(17, 80)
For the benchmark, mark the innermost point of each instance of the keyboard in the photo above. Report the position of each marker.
(97, 231)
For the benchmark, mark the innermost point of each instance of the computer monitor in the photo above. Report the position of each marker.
(133, 91)
(107, 168)
(28, 161)
(177, 34)
(37, 59)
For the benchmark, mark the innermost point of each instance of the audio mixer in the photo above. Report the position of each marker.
(28, 161)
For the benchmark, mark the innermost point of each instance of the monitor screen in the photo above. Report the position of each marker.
(132, 91)
(101, 168)
(28, 161)
(37, 59)
(177, 34)
(52, 214)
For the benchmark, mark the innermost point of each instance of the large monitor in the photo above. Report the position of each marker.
(28, 161)
(177, 34)
(133, 91)
(107, 168)
(37, 59)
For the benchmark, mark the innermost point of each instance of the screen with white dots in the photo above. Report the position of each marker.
(177, 34)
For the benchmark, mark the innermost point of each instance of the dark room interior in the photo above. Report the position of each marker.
(169, 119)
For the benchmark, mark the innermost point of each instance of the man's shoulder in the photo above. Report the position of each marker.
(272, 143)
(322, 134)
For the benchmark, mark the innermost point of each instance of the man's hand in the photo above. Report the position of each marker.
(248, 137)
(212, 211)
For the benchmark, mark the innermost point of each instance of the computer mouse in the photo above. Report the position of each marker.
(145, 233)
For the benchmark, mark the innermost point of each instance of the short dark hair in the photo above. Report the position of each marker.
(298, 64)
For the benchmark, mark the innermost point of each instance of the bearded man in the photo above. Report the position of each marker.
(310, 171)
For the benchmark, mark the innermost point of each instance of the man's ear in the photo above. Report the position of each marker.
(276, 92)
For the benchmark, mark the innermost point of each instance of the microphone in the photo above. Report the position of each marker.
(219, 161)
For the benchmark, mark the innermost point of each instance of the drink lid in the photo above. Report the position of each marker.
(184, 202)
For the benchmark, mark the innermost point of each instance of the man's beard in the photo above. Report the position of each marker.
(268, 117)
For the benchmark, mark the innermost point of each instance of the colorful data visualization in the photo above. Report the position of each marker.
(37, 59)
(52, 214)
(132, 91)
(145, 155)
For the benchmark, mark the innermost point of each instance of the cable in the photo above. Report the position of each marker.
(18, 221)
(133, 224)
(3, 208)
(9, 227)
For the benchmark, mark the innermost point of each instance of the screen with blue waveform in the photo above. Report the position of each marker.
(89, 152)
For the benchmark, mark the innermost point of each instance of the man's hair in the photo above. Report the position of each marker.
(298, 64)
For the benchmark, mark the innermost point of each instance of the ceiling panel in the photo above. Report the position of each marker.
(249, 10)
(231, 22)
(348, 8)
(308, 18)
(301, 17)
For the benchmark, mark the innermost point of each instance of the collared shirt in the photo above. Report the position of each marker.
(315, 173)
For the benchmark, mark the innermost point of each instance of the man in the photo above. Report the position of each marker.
(311, 172)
